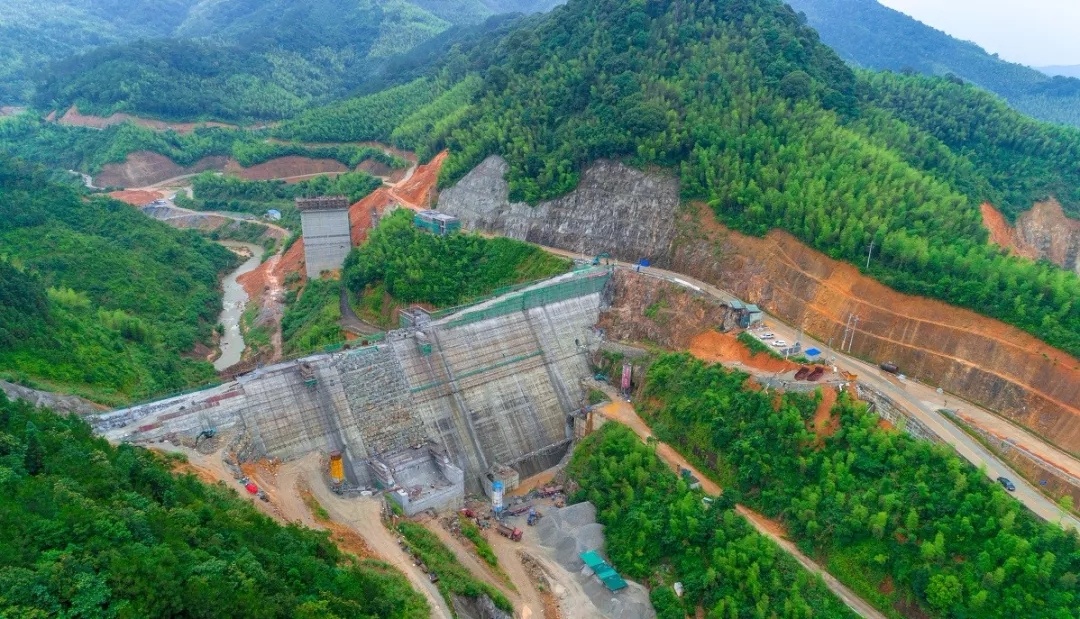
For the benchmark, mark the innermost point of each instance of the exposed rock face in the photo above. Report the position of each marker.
(983, 360)
(654, 311)
(58, 402)
(1050, 234)
(616, 209)
(1044, 232)
(478, 608)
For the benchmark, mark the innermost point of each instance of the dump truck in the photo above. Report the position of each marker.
(513, 534)
(519, 510)
(550, 490)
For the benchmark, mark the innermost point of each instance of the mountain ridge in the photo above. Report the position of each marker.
(874, 36)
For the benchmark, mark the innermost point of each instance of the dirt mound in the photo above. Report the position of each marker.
(73, 118)
(136, 197)
(419, 190)
(361, 213)
(713, 347)
(286, 168)
(981, 359)
(650, 310)
(144, 168)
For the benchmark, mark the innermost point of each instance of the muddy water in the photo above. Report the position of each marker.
(232, 341)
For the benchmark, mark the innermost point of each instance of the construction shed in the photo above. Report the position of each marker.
(436, 222)
(603, 571)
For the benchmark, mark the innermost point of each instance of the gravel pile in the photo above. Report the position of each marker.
(570, 531)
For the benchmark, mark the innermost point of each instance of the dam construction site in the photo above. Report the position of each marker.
(476, 409)
(427, 410)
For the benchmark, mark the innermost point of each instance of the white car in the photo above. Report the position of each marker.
(779, 343)
(767, 336)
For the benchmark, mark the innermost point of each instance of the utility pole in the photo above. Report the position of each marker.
(870, 253)
(854, 328)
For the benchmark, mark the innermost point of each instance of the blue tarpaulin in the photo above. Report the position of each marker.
(812, 352)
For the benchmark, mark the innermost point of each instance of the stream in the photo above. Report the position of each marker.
(232, 306)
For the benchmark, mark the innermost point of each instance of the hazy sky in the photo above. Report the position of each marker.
(1032, 32)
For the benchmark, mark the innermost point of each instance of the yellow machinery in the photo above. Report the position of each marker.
(337, 469)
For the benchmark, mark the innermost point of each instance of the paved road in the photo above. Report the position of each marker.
(915, 399)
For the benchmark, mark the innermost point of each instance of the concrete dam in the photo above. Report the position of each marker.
(430, 411)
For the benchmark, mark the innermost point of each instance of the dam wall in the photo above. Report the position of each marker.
(489, 384)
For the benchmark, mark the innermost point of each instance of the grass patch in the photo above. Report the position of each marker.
(483, 548)
(597, 396)
(317, 509)
(756, 346)
(454, 578)
(849, 565)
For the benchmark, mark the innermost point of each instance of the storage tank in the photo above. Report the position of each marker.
(337, 468)
(497, 496)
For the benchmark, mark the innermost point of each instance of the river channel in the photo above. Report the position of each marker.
(232, 306)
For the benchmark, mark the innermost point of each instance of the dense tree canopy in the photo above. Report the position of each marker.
(416, 266)
(875, 504)
(875, 36)
(101, 299)
(658, 530)
(91, 530)
(771, 129)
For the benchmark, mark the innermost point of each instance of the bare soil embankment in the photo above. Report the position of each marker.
(73, 118)
(145, 168)
(981, 359)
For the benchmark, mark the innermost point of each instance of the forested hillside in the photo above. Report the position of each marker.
(96, 298)
(414, 266)
(246, 60)
(771, 129)
(658, 530)
(91, 530)
(34, 33)
(875, 505)
(877, 37)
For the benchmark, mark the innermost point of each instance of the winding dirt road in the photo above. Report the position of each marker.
(621, 411)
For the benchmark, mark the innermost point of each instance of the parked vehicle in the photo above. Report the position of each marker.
(767, 336)
(513, 535)
(779, 343)
(534, 517)
(519, 510)
(1007, 483)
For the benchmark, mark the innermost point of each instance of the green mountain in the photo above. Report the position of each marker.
(874, 36)
(768, 126)
(96, 298)
(243, 60)
(92, 530)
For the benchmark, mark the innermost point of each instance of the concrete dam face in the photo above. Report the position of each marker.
(440, 402)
